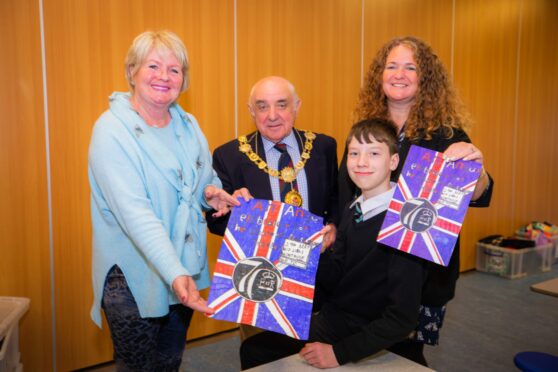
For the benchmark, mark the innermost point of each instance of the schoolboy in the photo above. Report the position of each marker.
(372, 292)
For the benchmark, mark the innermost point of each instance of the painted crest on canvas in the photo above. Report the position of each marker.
(429, 205)
(266, 268)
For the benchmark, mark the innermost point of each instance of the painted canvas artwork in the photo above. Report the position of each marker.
(266, 268)
(429, 205)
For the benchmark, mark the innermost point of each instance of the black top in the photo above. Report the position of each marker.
(374, 290)
(440, 286)
(235, 171)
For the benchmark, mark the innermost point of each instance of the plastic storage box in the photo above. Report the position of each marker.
(514, 263)
(11, 311)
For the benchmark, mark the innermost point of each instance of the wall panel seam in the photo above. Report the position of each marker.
(235, 47)
(452, 47)
(362, 43)
(516, 112)
(49, 184)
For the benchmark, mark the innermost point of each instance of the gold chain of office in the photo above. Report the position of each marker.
(286, 174)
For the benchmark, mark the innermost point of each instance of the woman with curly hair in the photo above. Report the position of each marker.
(408, 84)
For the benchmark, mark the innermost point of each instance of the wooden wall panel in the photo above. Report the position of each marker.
(430, 20)
(24, 252)
(86, 44)
(315, 44)
(485, 73)
(536, 149)
(83, 48)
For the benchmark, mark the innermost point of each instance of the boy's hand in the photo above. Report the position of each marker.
(329, 232)
(329, 236)
(319, 355)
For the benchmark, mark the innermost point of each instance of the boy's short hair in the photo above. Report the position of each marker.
(381, 130)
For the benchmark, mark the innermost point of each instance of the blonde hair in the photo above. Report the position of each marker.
(162, 40)
(436, 106)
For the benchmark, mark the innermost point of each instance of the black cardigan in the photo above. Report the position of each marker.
(374, 289)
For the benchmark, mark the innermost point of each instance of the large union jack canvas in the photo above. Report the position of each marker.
(266, 269)
(429, 204)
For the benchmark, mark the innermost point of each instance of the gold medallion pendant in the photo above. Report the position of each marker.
(293, 198)
(288, 174)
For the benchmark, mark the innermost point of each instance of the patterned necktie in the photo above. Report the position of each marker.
(284, 161)
(357, 213)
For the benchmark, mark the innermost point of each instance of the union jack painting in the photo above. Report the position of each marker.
(429, 204)
(266, 269)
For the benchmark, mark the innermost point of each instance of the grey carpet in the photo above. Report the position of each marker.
(491, 319)
(219, 356)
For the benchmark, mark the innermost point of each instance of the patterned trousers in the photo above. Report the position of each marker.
(142, 344)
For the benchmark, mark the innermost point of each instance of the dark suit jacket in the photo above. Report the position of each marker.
(235, 171)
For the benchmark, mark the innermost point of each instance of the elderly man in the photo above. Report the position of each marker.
(278, 161)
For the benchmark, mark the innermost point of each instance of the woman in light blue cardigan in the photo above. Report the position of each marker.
(151, 179)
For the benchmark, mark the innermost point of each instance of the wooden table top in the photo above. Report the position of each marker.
(549, 287)
(382, 361)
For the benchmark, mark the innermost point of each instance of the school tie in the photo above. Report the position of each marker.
(357, 213)
(284, 161)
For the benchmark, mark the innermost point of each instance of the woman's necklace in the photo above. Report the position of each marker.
(287, 174)
(156, 123)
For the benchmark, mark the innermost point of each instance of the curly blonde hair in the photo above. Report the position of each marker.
(436, 105)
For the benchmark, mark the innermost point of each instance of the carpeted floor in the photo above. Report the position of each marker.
(492, 319)
(216, 353)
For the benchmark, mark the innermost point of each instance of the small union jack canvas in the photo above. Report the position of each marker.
(429, 204)
(266, 269)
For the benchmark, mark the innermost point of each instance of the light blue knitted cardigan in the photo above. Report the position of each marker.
(146, 207)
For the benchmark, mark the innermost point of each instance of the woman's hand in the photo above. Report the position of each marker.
(220, 200)
(319, 355)
(465, 151)
(186, 291)
(468, 151)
